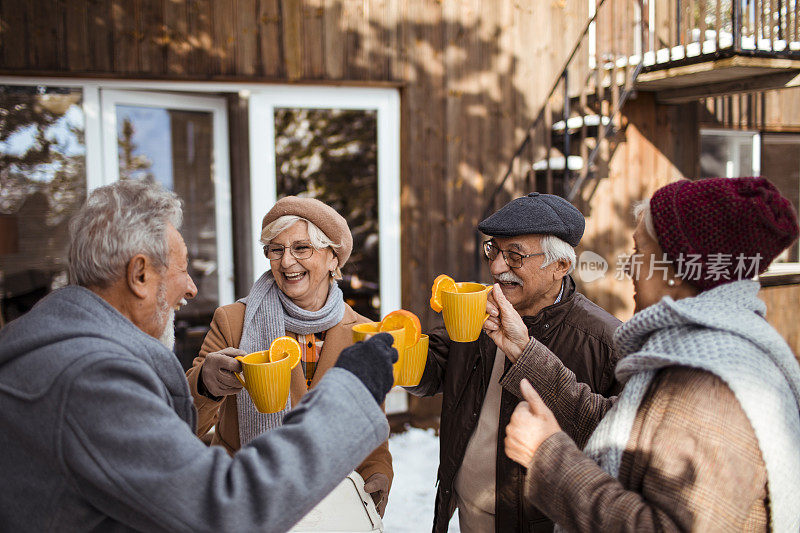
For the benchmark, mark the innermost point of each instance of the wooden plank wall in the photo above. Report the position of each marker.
(472, 74)
(782, 307)
(657, 144)
(776, 111)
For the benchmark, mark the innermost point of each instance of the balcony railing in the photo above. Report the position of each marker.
(691, 30)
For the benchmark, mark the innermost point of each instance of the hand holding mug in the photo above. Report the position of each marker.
(504, 325)
(218, 370)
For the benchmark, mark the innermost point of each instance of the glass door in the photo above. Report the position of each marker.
(42, 184)
(180, 141)
(341, 146)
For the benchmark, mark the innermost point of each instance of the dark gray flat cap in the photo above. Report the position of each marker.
(544, 214)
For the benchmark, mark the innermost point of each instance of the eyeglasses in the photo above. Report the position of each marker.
(299, 250)
(512, 259)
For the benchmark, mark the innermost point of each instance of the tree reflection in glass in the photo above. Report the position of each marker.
(42, 183)
(331, 155)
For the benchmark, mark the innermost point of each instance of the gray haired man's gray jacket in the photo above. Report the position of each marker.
(97, 433)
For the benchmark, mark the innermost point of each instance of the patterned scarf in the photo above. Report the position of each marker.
(722, 331)
(269, 314)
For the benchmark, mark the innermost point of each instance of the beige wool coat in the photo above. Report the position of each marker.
(226, 331)
(692, 462)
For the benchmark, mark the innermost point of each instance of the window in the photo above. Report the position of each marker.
(42, 184)
(180, 141)
(729, 154)
(775, 156)
(62, 138)
(780, 163)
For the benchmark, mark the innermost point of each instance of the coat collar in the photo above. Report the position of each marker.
(555, 311)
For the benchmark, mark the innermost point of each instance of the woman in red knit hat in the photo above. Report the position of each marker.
(706, 433)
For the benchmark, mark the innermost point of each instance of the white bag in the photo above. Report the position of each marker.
(347, 508)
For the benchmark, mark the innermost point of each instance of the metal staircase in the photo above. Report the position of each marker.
(564, 146)
(568, 143)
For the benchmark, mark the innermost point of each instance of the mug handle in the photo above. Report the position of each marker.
(237, 374)
(490, 287)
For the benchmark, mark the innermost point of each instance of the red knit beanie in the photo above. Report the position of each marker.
(718, 230)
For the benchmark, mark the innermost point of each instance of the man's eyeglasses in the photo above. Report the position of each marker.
(299, 250)
(512, 259)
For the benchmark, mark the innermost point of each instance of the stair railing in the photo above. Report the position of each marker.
(588, 65)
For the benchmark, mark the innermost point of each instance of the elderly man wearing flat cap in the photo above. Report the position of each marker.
(306, 242)
(531, 254)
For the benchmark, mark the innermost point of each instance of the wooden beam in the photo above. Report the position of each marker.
(706, 66)
(292, 12)
(779, 80)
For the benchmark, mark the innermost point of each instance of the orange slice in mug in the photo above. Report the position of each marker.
(406, 320)
(285, 347)
(443, 282)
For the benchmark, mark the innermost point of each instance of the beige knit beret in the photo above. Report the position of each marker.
(321, 215)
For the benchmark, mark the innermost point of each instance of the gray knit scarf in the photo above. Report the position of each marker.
(722, 331)
(269, 314)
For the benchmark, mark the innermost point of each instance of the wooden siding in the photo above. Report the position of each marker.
(783, 304)
(473, 75)
(656, 145)
(776, 111)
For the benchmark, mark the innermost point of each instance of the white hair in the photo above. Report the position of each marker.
(642, 209)
(117, 222)
(316, 236)
(556, 249)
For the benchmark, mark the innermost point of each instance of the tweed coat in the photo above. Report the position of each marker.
(692, 461)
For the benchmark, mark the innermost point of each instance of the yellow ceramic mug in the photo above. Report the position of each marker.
(464, 312)
(362, 332)
(413, 365)
(266, 382)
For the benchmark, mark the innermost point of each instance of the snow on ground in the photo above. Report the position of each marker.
(415, 458)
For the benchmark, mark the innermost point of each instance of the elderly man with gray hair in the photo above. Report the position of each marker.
(98, 421)
(531, 254)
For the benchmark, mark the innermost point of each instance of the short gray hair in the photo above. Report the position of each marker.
(117, 222)
(556, 249)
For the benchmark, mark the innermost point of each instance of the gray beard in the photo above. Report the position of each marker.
(167, 337)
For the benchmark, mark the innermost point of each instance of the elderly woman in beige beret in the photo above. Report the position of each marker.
(306, 242)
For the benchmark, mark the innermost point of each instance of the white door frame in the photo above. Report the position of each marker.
(264, 101)
(110, 98)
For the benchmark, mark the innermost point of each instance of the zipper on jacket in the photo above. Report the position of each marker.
(461, 396)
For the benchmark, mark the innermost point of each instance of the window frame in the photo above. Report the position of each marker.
(100, 124)
(386, 102)
(775, 270)
(216, 106)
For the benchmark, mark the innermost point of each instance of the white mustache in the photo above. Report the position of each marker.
(508, 277)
